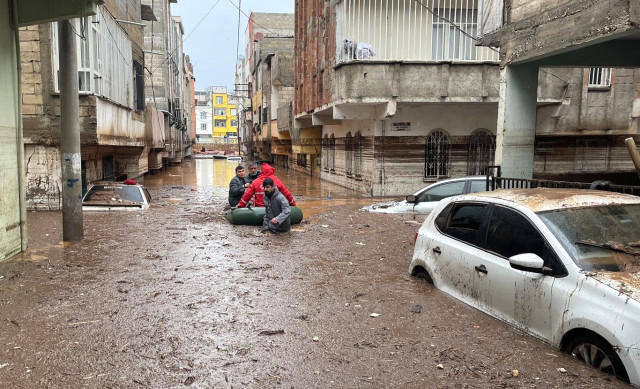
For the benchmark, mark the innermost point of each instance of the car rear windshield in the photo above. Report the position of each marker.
(599, 237)
(100, 194)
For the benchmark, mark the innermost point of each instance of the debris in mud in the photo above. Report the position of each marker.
(374, 315)
(439, 366)
(3, 365)
(562, 370)
(316, 338)
(271, 332)
(416, 308)
(190, 380)
(515, 373)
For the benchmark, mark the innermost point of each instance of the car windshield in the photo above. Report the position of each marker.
(106, 194)
(599, 237)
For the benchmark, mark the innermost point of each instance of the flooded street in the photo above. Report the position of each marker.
(177, 297)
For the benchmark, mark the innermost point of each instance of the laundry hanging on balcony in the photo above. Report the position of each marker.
(357, 50)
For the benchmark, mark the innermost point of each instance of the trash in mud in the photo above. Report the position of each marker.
(439, 366)
(190, 380)
(515, 373)
(271, 332)
(374, 314)
(416, 308)
(316, 338)
(562, 370)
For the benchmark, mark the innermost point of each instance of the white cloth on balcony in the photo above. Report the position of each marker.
(364, 50)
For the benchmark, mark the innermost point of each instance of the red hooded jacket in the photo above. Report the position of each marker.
(255, 189)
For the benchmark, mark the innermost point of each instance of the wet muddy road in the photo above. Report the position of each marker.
(177, 297)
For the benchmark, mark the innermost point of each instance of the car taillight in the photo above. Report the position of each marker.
(415, 239)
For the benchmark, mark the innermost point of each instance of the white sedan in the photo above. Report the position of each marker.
(560, 264)
(116, 196)
(425, 200)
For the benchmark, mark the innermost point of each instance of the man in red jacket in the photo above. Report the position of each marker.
(255, 189)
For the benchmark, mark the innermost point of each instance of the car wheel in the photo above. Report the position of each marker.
(597, 352)
(423, 275)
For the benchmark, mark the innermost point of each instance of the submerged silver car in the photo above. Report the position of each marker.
(560, 264)
(116, 196)
(425, 200)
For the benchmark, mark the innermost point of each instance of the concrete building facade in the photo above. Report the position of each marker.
(389, 96)
(225, 115)
(585, 123)
(204, 117)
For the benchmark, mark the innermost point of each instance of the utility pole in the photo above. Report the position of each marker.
(72, 227)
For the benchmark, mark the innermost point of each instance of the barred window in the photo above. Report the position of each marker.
(357, 155)
(437, 152)
(348, 154)
(482, 149)
(599, 77)
(332, 153)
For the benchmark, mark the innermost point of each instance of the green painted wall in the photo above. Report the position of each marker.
(10, 205)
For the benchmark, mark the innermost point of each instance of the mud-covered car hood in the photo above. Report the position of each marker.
(625, 283)
(390, 207)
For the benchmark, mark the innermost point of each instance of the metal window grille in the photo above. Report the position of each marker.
(348, 150)
(599, 77)
(481, 153)
(437, 154)
(332, 153)
(357, 155)
(416, 30)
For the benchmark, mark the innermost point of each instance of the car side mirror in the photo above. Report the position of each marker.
(528, 262)
(411, 199)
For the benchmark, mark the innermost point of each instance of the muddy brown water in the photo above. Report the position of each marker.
(176, 297)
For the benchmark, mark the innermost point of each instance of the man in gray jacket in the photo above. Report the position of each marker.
(277, 216)
(237, 186)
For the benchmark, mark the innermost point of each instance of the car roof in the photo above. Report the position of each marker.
(112, 183)
(547, 199)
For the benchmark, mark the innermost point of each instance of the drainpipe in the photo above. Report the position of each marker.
(19, 136)
(384, 125)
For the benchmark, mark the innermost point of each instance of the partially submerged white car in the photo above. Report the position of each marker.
(560, 264)
(116, 196)
(425, 200)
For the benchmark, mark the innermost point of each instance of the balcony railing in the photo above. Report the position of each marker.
(410, 30)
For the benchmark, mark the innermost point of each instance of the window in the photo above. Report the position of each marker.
(220, 112)
(511, 233)
(220, 123)
(449, 42)
(599, 77)
(219, 100)
(443, 191)
(234, 123)
(104, 61)
(234, 112)
(348, 154)
(325, 152)
(332, 153)
(203, 115)
(301, 160)
(478, 186)
(465, 223)
(203, 127)
(482, 149)
(138, 81)
(357, 155)
(437, 154)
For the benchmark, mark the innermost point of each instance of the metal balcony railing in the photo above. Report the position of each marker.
(409, 30)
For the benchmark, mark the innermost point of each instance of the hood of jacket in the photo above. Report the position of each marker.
(267, 170)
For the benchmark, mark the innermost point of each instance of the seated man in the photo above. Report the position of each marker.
(237, 186)
(253, 172)
(277, 216)
(256, 189)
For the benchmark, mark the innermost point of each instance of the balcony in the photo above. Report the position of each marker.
(390, 52)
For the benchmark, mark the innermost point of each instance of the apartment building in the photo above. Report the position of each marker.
(568, 86)
(392, 94)
(225, 115)
(204, 117)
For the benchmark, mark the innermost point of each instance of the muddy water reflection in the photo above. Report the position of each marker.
(312, 194)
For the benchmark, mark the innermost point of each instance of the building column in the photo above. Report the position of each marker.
(516, 128)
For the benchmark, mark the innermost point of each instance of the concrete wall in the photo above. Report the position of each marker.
(43, 177)
(399, 156)
(416, 82)
(12, 233)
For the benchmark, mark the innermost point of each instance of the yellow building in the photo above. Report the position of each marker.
(225, 116)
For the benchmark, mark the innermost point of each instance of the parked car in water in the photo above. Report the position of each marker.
(425, 200)
(116, 196)
(560, 264)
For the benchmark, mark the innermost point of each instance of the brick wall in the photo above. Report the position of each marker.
(32, 102)
(315, 48)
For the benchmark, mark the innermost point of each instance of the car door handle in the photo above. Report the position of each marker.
(482, 269)
(437, 250)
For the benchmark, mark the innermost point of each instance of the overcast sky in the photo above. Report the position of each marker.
(211, 35)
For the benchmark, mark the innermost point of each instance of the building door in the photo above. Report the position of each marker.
(107, 169)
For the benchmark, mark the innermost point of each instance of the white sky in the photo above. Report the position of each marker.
(211, 45)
